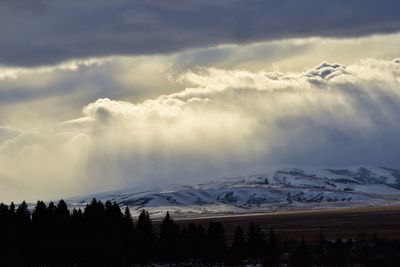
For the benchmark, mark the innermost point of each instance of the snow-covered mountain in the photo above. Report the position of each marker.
(279, 189)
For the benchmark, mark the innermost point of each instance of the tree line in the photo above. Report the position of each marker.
(101, 234)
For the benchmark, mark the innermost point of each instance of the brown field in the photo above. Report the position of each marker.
(334, 223)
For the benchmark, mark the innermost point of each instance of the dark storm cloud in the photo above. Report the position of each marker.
(37, 32)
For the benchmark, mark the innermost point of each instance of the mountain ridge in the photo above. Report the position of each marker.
(280, 189)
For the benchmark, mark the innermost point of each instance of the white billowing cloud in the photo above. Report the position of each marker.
(330, 115)
(37, 97)
(223, 122)
(41, 165)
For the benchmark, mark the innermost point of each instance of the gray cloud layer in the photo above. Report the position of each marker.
(37, 32)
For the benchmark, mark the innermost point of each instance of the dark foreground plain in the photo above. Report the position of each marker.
(383, 221)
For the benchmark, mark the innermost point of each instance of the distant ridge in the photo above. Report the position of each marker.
(287, 188)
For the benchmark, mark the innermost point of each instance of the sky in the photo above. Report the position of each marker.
(100, 95)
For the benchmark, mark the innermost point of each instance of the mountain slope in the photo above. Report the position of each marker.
(279, 189)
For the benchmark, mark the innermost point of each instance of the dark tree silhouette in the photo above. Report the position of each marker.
(216, 243)
(169, 239)
(196, 242)
(238, 249)
(128, 234)
(256, 244)
(145, 238)
(22, 223)
(102, 235)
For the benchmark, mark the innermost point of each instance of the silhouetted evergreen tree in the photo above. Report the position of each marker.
(40, 232)
(113, 232)
(196, 242)
(272, 250)
(128, 220)
(183, 246)
(78, 235)
(256, 244)
(62, 214)
(62, 237)
(216, 244)
(7, 237)
(145, 238)
(95, 233)
(169, 239)
(22, 214)
(22, 233)
(238, 249)
(129, 236)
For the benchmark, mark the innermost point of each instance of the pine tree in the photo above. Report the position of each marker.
(145, 244)
(216, 244)
(273, 246)
(23, 213)
(23, 223)
(95, 232)
(39, 215)
(128, 220)
(196, 241)
(62, 212)
(12, 208)
(238, 248)
(273, 250)
(184, 245)
(169, 238)
(144, 224)
(129, 236)
(7, 232)
(62, 221)
(256, 244)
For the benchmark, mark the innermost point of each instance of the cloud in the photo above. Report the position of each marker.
(223, 122)
(46, 32)
(330, 115)
(57, 92)
(72, 65)
(42, 165)
(7, 133)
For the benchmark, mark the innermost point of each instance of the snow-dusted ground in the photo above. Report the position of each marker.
(280, 189)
